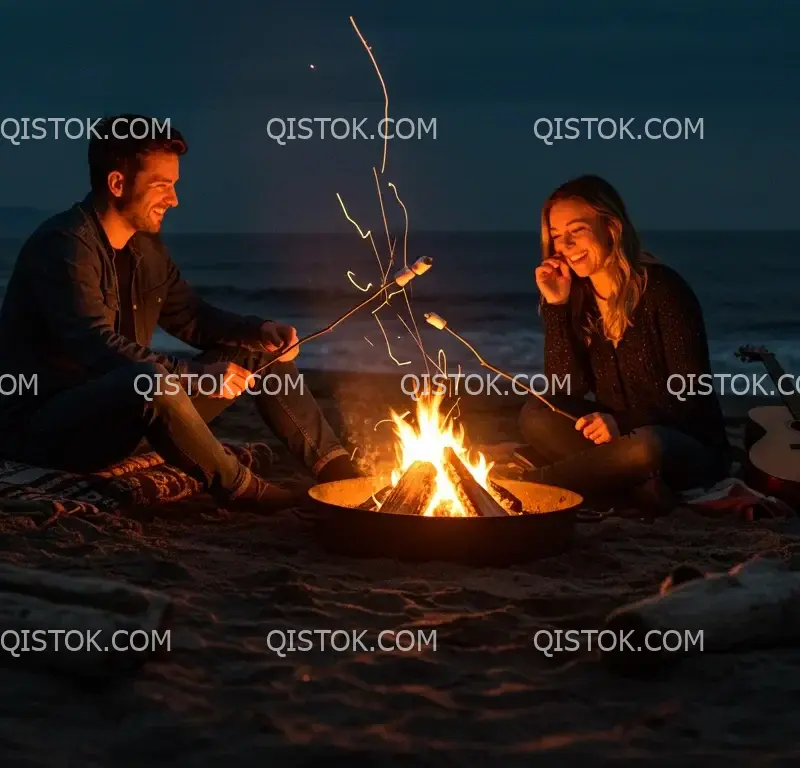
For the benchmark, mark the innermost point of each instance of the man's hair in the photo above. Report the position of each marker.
(114, 148)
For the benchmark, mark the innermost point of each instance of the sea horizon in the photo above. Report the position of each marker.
(482, 283)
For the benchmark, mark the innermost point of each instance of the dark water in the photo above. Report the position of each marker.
(482, 284)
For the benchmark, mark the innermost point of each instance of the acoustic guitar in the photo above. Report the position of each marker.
(772, 434)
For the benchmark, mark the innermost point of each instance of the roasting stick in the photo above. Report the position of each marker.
(401, 278)
(440, 323)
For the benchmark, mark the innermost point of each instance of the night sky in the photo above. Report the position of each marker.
(486, 71)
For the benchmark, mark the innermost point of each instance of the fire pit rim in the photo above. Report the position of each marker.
(376, 482)
(477, 541)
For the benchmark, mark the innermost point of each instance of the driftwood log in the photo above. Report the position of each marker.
(68, 623)
(754, 605)
(413, 492)
(476, 500)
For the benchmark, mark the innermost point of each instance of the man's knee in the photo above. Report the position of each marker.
(138, 377)
(147, 368)
(155, 384)
(252, 360)
(280, 370)
(272, 377)
(646, 448)
(281, 379)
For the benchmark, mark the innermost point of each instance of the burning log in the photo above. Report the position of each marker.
(442, 509)
(380, 496)
(413, 492)
(755, 604)
(507, 500)
(476, 500)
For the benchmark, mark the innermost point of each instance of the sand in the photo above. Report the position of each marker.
(220, 696)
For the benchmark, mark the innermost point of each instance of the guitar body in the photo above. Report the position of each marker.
(772, 436)
(772, 442)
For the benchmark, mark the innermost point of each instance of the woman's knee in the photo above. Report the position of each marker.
(646, 448)
(535, 421)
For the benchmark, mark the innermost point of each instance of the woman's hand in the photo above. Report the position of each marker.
(598, 427)
(554, 279)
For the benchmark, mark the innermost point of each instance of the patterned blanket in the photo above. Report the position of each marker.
(141, 480)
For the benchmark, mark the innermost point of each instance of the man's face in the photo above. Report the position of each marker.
(144, 203)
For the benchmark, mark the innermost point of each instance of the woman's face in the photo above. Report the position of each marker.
(579, 236)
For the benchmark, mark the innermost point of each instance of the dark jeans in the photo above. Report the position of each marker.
(565, 458)
(105, 420)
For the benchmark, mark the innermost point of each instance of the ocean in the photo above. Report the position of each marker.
(481, 283)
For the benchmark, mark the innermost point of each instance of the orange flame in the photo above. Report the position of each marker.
(427, 442)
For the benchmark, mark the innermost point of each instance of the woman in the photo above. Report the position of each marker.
(629, 330)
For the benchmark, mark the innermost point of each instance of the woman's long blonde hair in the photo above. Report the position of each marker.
(626, 261)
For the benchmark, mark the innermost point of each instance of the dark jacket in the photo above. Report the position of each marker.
(640, 382)
(60, 317)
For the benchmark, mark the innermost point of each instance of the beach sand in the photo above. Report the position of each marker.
(220, 696)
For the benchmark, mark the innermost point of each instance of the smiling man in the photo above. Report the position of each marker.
(87, 291)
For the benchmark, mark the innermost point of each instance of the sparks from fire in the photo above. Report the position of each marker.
(383, 85)
(434, 432)
(368, 234)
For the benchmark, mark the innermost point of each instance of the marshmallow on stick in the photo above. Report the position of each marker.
(438, 322)
(419, 267)
(402, 277)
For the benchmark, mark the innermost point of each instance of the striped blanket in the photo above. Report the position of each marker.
(141, 480)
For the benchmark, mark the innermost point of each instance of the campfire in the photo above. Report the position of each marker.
(437, 501)
(435, 474)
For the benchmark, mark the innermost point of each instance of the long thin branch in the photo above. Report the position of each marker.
(327, 329)
(508, 376)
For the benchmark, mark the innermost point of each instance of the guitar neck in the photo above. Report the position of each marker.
(777, 374)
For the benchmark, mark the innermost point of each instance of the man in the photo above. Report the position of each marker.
(87, 291)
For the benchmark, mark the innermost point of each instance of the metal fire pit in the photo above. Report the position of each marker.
(544, 528)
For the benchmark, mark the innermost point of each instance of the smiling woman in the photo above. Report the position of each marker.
(618, 325)
(591, 232)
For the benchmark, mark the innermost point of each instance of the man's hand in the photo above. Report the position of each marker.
(276, 336)
(230, 380)
(598, 427)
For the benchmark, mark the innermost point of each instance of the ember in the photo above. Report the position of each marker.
(435, 475)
